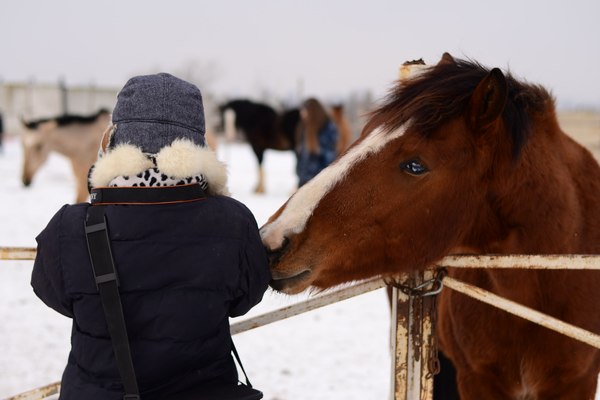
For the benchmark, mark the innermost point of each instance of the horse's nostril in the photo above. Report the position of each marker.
(276, 254)
(26, 182)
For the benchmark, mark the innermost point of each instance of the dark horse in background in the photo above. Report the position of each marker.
(462, 159)
(264, 129)
(1, 131)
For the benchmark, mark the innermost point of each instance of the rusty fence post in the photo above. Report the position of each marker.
(411, 329)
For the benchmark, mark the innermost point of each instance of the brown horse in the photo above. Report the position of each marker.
(75, 137)
(461, 159)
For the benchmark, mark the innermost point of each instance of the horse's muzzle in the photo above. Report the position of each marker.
(282, 282)
(276, 254)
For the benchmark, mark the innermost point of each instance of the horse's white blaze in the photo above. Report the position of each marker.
(301, 205)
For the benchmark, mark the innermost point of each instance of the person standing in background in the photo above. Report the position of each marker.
(1, 132)
(343, 127)
(318, 141)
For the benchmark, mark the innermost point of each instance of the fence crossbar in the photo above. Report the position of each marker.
(552, 261)
(522, 311)
(17, 253)
(322, 300)
(38, 393)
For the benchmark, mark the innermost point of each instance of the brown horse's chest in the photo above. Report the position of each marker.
(484, 340)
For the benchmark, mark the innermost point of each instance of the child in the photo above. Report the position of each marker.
(318, 141)
(187, 256)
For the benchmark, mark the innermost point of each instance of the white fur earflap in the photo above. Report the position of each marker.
(181, 159)
(124, 159)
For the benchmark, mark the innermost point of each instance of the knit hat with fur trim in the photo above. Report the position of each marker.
(154, 110)
(158, 125)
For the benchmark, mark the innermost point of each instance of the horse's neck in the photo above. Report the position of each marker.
(77, 141)
(552, 209)
(585, 173)
(550, 204)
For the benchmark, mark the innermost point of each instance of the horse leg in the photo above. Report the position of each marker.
(568, 384)
(476, 386)
(260, 186)
(80, 170)
(579, 389)
(444, 383)
(576, 391)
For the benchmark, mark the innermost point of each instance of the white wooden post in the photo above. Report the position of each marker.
(411, 329)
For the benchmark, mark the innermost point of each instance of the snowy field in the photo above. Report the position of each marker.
(337, 352)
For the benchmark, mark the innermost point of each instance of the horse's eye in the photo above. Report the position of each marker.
(414, 167)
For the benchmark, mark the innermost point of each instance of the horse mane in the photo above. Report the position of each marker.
(443, 92)
(66, 119)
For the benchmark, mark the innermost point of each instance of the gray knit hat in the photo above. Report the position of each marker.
(154, 110)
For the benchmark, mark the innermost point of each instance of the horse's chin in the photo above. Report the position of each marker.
(291, 284)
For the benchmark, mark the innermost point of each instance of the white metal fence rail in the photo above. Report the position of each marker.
(411, 324)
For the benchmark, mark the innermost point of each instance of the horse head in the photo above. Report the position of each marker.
(461, 159)
(424, 180)
(35, 147)
(74, 136)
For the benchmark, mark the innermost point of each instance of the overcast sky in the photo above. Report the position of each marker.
(326, 48)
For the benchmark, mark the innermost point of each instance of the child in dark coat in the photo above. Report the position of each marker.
(318, 141)
(187, 256)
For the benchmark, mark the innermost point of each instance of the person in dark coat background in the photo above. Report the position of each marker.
(318, 141)
(184, 265)
(1, 132)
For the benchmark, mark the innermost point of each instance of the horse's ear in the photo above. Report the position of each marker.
(446, 59)
(488, 100)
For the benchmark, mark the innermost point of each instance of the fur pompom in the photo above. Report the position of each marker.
(183, 159)
(180, 160)
(125, 159)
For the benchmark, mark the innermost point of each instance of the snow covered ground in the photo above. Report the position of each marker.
(337, 352)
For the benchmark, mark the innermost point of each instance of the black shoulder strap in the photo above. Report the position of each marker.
(107, 283)
(239, 361)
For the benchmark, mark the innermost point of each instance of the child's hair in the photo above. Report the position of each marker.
(315, 119)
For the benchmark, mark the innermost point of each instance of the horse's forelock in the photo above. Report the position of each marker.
(437, 94)
(300, 207)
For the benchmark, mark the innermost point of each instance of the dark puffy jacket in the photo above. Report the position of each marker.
(183, 268)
